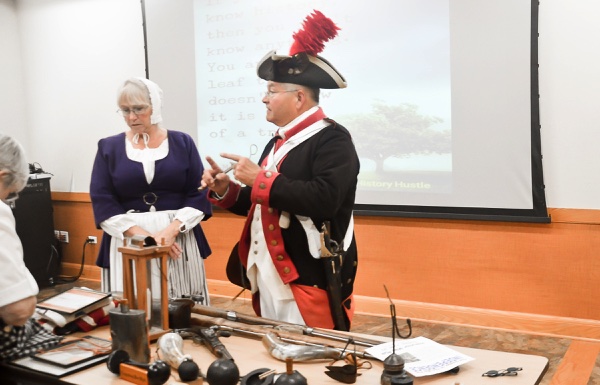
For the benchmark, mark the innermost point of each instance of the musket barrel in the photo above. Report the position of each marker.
(258, 332)
(280, 325)
(234, 316)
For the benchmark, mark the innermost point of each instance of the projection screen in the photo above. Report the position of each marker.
(442, 96)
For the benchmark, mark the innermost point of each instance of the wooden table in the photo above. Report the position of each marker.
(250, 355)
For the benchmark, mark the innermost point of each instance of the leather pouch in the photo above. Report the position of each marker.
(236, 273)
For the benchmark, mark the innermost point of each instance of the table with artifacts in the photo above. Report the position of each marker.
(151, 340)
(223, 347)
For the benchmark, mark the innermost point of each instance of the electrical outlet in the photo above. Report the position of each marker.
(92, 239)
(57, 234)
(63, 236)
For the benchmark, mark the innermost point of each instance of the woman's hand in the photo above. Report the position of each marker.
(136, 230)
(175, 251)
(167, 236)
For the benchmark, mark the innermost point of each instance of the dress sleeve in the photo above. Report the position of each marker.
(189, 217)
(117, 225)
(102, 190)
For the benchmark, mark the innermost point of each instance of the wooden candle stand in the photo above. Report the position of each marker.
(137, 284)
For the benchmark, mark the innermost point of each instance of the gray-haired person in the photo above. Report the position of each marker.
(20, 334)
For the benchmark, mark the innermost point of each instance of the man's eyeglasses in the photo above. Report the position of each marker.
(271, 94)
(137, 110)
(512, 371)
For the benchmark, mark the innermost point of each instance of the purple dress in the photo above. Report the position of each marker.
(118, 185)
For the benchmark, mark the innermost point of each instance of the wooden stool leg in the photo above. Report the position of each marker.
(164, 295)
(128, 292)
(141, 273)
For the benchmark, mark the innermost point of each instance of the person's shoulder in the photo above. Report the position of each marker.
(335, 128)
(110, 145)
(109, 140)
(4, 209)
(180, 137)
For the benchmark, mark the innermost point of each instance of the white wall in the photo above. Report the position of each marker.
(76, 53)
(570, 101)
(12, 96)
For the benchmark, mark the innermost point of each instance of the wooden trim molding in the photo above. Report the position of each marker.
(575, 216)
(80, 197)
(92, 273)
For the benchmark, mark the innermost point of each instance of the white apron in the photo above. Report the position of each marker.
(186, 275)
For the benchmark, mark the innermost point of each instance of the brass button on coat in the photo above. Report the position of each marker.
(286, 270)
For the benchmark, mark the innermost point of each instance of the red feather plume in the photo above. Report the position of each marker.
(317, 29)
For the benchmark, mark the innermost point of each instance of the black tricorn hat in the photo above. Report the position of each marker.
(303, 66)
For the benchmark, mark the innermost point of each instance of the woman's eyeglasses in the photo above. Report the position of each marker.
(137, 110)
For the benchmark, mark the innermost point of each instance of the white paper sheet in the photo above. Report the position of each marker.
(422, 356)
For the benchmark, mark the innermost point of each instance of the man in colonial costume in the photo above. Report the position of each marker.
(306, 178)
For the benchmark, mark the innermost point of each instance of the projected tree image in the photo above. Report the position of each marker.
(396, 131)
